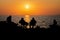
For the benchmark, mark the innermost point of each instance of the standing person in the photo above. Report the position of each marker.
(9, 19)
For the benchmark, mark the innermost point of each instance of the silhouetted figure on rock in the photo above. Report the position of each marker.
(8, 25)
(32, 23)
(9, 19)
(22, 22)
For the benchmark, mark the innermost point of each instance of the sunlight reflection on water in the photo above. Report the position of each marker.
(42, 21)
(27, 18)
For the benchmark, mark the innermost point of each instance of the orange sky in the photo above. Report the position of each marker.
(37, 7)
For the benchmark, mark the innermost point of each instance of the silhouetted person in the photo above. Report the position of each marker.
(54, 22)
(22, 22)
(9, 19)
(32, 23)
(54, 27)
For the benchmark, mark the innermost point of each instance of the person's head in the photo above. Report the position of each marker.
(22, 18)
(54, 21)
(33, 18)
(10, 16)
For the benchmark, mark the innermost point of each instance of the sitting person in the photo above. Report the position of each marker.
(22, 22)
(32, 23)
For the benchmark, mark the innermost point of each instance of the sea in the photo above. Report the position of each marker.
(42, 21)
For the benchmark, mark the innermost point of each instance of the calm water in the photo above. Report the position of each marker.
(42, 21)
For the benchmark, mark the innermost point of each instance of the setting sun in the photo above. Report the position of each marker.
(27, 6)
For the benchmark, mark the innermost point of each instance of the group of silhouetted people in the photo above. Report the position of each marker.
(8, 25)
(22, 22)
(32, 22)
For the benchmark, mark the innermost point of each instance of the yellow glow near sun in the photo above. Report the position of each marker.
(27, 6)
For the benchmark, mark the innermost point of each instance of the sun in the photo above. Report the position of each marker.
(27, 6)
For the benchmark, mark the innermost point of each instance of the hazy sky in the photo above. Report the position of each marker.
(37, 7)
